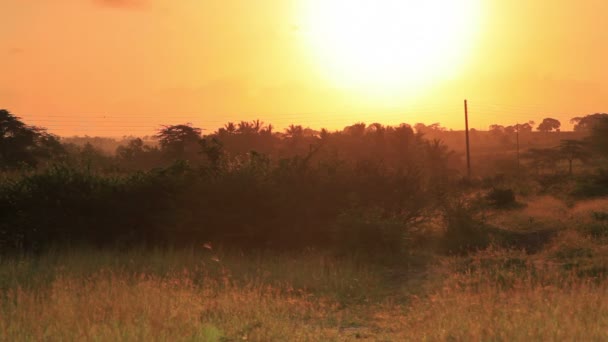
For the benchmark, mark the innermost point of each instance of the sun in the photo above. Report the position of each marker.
(389, 46)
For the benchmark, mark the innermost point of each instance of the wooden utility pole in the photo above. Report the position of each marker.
(466, 123)
(517, 146)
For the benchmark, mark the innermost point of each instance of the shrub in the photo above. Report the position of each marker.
(463, 231)
(251, 204)
(501, 198)
(369, 231)
(593, 186)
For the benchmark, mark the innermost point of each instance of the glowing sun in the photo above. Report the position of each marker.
(390, 45)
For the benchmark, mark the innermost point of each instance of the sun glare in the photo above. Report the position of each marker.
(390, 45)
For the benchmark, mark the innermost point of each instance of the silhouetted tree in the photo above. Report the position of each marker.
(586, 123)
(598, 139)
(437, 157)
(267, 130)
(571, 150)
(136, 154)
(294, 131)
(510, 129)
(523, 128)
(357, 130)
(257, 125)
(133, 149)
(434, 127)
(245, 127)
(23, 144)
(213, 150)
(496, 129)
(179, 141)
(548, 125)
(541, 158)
(230, 128)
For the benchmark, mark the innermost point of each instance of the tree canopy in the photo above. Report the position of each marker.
(548, 125)
(179, 140)
(21, 144)
(586, 123)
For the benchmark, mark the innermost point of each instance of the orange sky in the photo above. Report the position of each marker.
(116, 67)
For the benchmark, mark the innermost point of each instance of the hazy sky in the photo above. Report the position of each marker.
(119, 67)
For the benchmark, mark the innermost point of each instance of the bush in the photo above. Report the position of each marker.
(594, 186)
(463, 232)
(369, 231)
(501, 198)
(252, 204)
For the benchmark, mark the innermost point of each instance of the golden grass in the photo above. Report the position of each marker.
(559, 293)
(523, 313)
(181, 295)
(186, 296)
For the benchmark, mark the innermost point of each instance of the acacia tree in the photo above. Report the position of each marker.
(541, 158)
(571, 150)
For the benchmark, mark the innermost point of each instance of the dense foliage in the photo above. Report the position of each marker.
(364, 188)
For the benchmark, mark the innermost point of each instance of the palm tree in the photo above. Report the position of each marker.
(257, 125)
(294, 131)
(230, 128)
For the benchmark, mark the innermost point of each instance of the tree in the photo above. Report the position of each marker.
(136, 154)
(523, 128)
(510, 129)
(230, 128)
(133, 149)
(268, 130)
(586, 123)
(599, 136)
(571, 150)
(213, 149)
(497, 129)
(434, 127)
(548, 125)
(23, 144)
(357, 130)
(541, 158)
(179, 141)
(294, 131)
(247, 128)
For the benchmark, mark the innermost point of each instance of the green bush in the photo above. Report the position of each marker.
(592, 186)
(463, 231)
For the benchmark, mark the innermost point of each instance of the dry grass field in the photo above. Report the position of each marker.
(202, 294)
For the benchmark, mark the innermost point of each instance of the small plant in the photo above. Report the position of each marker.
(593, 186)
(369, 231)
(600, 216)
(463, 231)
(501, 198)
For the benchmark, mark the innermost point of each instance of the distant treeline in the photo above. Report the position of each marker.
(360, 188)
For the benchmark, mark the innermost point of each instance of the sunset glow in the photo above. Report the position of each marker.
(390, 45)
(102, 67)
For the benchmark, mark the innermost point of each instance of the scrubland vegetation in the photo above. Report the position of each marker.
(372, 232)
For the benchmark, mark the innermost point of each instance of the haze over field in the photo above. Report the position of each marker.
(114, 67)
(270, 170)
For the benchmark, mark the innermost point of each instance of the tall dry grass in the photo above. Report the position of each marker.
(192, 295)
(557, 293)
(181, 295)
